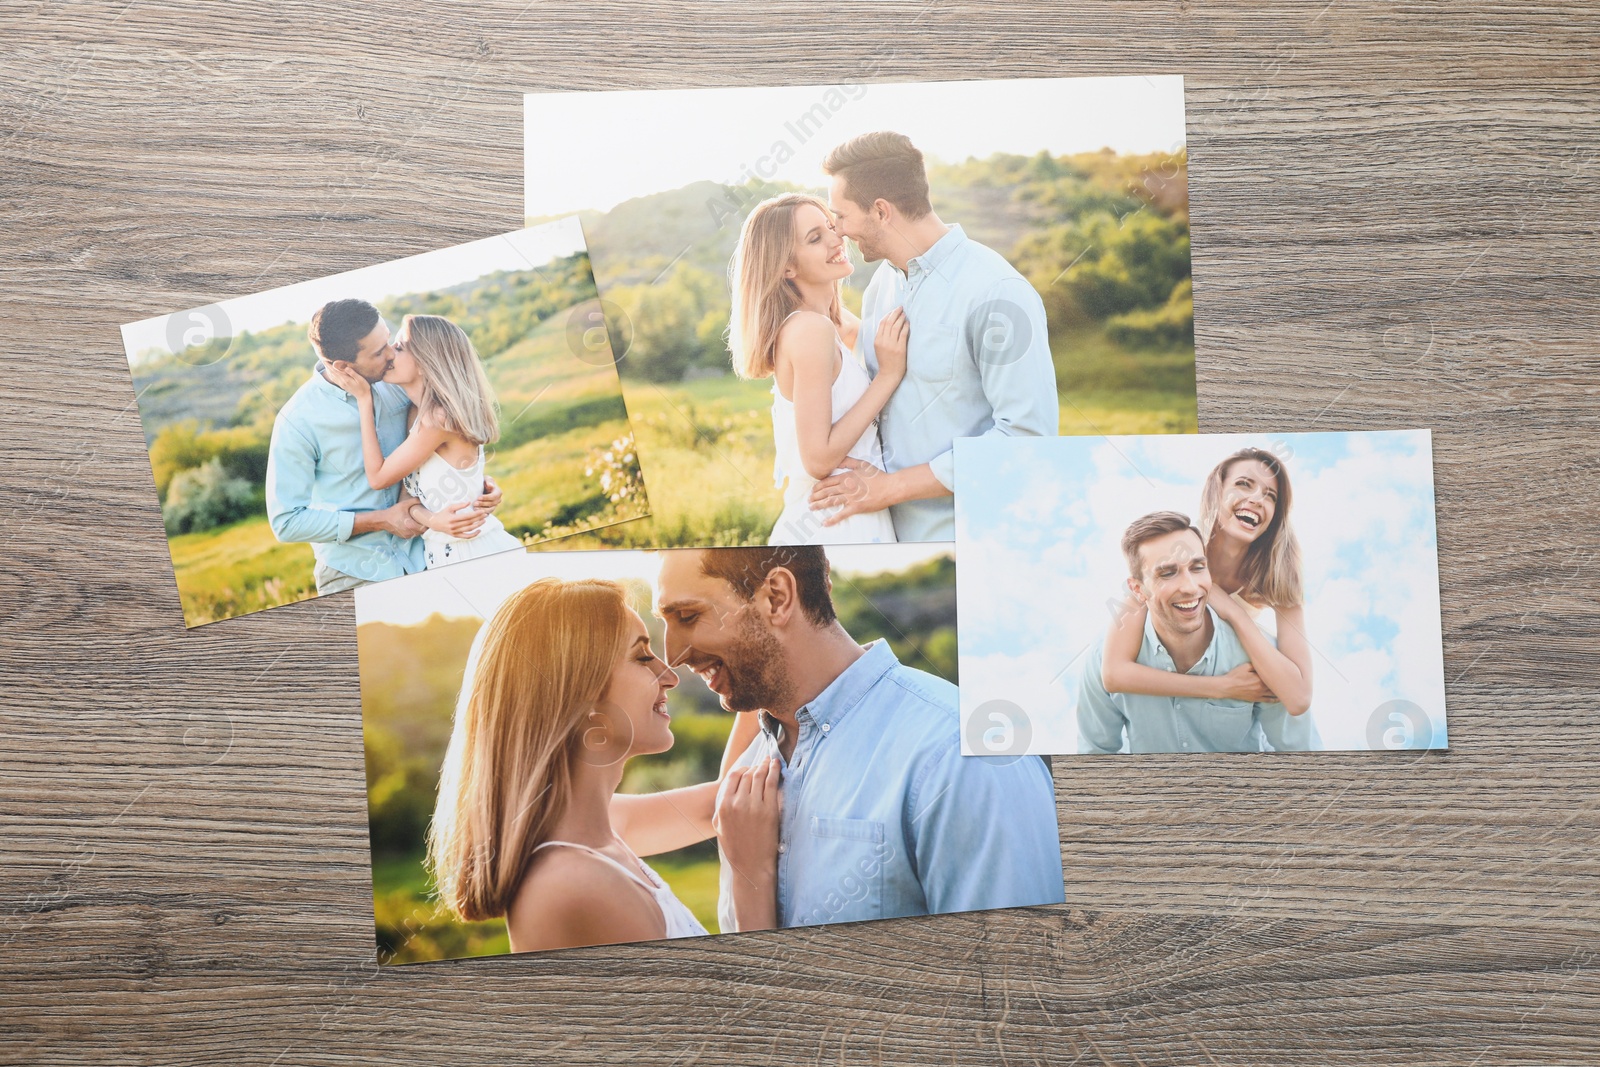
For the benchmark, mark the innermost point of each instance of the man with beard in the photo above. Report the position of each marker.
(1169, 575)
(881, 814)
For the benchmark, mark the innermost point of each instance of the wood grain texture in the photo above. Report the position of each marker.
(1395, 224)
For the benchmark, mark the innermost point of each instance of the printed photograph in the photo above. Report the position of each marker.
(586, 748)
(1210, 593)
(812, 291)
(397, 418)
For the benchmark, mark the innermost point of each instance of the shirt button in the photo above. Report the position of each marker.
(1186, 744)
(825, 727)
(782, 848)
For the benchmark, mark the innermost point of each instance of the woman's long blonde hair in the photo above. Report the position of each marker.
(537, 670)
(1271, 569)
(456, 394)
(762, 297)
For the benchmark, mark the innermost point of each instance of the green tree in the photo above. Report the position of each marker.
(676, 324)
(206, 496)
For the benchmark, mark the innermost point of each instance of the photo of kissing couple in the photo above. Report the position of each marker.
(399, 417)
(403, 488)
(814, 291)
(839, 793)
(1292, 611)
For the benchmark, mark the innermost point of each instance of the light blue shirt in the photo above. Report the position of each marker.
(316, 480)
(883, 816)
(1138, 722)
(978, 365)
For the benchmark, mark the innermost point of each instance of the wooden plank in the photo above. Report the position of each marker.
(1395, 220)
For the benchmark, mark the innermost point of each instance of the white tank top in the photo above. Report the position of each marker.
(679, 919)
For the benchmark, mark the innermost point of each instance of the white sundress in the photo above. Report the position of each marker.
(438, 485)
(798, 524)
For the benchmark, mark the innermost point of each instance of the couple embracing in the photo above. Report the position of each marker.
(842, 794)
(952, 342)
(1209, 653)
(377, 460)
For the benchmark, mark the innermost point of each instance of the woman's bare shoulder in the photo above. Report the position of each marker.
(808, 337)
(570, 898)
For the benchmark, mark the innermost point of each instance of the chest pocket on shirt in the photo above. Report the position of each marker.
(1230, 720)
(851, 855)
(934, 350)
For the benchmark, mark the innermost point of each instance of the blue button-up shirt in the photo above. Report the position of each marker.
(978, 364)
(883, 816)
(1138, 722)
(316, 480)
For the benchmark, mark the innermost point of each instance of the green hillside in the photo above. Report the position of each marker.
(564, 426)
(1103, 237)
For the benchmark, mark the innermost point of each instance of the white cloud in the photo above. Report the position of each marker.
(1035, 574)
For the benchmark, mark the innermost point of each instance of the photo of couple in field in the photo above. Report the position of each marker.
(401, 417)
(813, 292)
(539, 725)
(1221, 593)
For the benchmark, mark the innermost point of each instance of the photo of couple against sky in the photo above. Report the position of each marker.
(1226, 592)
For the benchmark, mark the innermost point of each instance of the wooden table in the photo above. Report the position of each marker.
(1395, 225)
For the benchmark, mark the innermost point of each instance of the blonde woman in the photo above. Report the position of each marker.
(563, 689)
(788, 325)
(452, 416)
(1254, 560)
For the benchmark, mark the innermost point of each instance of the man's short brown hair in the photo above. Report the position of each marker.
(747, 568)
(338, 326)
(882, 166)
(1148, 528)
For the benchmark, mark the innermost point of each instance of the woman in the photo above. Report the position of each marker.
(788, 325)
(1254, 561)
(564, 690)
(452, 416)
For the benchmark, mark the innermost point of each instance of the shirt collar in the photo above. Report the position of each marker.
(845, 692)
(321, 384)
(940, 253)
(1153, 640)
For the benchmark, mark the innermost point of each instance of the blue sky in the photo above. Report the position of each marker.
(1038, 521)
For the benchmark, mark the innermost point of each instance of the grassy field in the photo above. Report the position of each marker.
(557, 410)
(236, 569)
(1109, 390)
(706, 445)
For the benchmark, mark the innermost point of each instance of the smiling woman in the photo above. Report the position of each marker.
(563, 689)
(789, 324)
(1219, 622)
(1248, 560)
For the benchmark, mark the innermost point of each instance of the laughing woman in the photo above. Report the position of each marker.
(563, 689)
(1254, 560)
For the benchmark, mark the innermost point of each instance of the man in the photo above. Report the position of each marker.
(1167, 563)
(317, 487)
(979, 358)
(881, 814)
